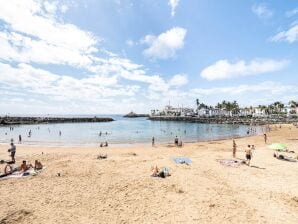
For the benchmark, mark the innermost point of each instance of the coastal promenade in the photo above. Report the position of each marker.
(229, 120)
(50, 120)
(119, 189)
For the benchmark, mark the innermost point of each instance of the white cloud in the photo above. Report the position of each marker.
(292, 12)
(269, 87)
(178, 80)
(166, 44)
(26, 17)
(224, 69)
(130, 43)
(290, 35)
(173, 4)
(38, 81)
(262, 11)
(35, 36)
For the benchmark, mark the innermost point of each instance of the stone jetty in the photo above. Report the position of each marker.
(229, 120)
(134, 115)
(50, 120)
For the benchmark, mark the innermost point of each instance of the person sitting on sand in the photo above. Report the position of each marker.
(38, 165)
(24, 167)
(285, 158)
(248, 154)
(155, 171)
(106, 144)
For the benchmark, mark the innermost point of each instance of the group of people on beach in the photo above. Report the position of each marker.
(9, 168)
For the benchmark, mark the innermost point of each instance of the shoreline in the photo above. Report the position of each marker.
(124, 145)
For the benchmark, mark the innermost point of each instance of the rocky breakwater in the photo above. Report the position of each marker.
(228, 120)
(134, 115)
(50, 120)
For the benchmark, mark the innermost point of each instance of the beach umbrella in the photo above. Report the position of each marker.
(278, 146)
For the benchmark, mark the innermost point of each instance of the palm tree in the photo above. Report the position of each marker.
(197, 102)
(293, 104)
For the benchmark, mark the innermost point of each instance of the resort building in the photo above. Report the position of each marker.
(212, 112)
(173, 111)
(258, 112)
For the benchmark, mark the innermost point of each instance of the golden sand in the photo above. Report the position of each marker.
(121, 190)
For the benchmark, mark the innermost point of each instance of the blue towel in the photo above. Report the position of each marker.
(182, 160)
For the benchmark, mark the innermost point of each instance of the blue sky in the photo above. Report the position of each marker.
(114, 56)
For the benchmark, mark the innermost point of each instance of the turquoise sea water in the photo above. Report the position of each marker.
(121, 131)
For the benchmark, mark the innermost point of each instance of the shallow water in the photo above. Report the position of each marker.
(121, 131)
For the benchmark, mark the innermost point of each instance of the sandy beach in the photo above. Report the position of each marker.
(121, 190)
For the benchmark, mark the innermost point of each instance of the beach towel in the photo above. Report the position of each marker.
(229, 162)
(182, 160)
(20, 174)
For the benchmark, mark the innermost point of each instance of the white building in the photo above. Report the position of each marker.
(212, 112)
(173, 111)
(258, 112)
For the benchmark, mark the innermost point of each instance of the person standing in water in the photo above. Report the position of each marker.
(234, 148)
(20, 139)
(153, 142)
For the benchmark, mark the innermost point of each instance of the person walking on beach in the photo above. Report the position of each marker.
(265, 138)
(248, 154)
(20, 139)
(12, 151)
(176, 141)
(153, 141)
(234, 148)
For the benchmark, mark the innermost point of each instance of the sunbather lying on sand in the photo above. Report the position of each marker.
(283, 157)
(164, 172)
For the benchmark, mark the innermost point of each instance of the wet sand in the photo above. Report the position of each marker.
(121, 190)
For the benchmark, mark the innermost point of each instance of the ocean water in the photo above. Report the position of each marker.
(121, 131)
